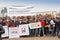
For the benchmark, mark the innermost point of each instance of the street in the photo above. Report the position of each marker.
(35, 38)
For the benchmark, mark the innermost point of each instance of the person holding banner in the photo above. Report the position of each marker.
(31, 31)
(16, 23)
(4, 22)
(47, 26)
(11, 23)
(52, 26)
(41, 25)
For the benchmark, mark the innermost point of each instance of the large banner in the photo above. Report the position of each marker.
(6, 31)
(19, 11)
(34, 25)
(13, 32)
(23, 29)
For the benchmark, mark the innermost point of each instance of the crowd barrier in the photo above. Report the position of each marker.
(22, 30)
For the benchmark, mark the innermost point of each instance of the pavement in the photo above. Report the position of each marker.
(35, 38)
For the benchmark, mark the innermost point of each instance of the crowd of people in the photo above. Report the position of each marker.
(48, 25)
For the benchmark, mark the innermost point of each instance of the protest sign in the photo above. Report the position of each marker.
(13, 32)
(6, 31)
(34, 25)
(23, 29)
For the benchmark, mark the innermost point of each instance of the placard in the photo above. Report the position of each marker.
(34, 25)
(6, 31)
(23, 29)
(13, 32)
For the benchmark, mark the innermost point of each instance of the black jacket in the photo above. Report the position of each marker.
(16, 23)
(1, 29)
(57, 24)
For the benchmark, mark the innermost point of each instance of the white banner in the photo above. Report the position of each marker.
(19, 11)
(23, 29)
(6, 31)
(34, 25)
(13, 32)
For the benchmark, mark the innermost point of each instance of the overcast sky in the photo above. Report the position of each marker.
(40, 5)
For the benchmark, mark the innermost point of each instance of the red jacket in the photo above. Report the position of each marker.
(11, 24)
(42, 22)
(4, 22)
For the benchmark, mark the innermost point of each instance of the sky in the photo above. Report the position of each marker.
(39, 5)
(30, 1)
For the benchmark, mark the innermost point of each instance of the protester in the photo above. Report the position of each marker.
(46, 26)
(4, 22)
(41, 24)
(52, 25)
(58, 26)
(11, 23)
(16, 23)
(32, 31)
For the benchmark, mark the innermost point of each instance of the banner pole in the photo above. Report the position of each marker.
(35, 22)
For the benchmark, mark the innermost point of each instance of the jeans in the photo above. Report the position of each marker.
(32, 32)
(58, 32)
(41, 29)
(46, 30)
(58, 29)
